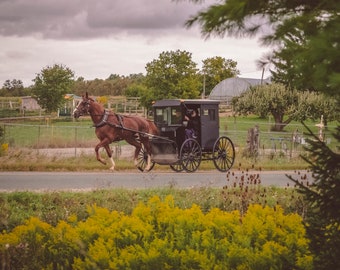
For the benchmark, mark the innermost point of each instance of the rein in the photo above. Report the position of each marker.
(104, 121)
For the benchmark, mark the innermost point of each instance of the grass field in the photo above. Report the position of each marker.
(26, 137)
(66, 132)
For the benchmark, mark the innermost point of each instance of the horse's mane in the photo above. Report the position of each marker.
(95, 102)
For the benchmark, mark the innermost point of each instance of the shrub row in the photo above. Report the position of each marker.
(52, 207)
(160, 235)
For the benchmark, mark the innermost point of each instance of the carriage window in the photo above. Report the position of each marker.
(176, 116)
(211, 113)
(161, 115)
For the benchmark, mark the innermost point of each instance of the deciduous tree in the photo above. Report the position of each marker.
(173, 75)
(13, 88)
(217, 69)
(306, 32)
(51, 85)
(285, 104)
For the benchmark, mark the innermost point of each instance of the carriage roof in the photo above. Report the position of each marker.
(178, 102)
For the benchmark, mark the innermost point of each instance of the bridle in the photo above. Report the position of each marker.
(85, 108)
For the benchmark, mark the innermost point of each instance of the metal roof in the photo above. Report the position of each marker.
(178, 102)
(234, 87)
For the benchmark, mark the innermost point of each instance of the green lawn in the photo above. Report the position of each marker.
(66, 132)
(23, 137)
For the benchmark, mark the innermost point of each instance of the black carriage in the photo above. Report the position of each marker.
(173, 148)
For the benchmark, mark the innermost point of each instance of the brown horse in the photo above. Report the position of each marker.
(112, 127)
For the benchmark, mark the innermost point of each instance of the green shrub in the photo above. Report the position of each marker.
(160, 235)
(51, 207)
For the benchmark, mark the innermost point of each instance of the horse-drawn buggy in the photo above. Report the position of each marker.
(171, 139)
(174, 147)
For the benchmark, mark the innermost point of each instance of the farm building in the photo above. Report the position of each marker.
(29, 103)
(233, 87)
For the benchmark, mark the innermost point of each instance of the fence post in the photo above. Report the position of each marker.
(38, 143)
(253, 141)
(75, 141)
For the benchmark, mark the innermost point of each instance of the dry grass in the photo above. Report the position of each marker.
(35, 160)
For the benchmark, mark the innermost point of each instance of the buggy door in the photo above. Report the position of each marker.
(209, 126)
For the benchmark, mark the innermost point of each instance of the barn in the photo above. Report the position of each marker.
(233, 87)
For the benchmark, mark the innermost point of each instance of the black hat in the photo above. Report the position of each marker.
(190, 111)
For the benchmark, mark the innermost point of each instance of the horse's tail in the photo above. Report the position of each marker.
(153, 128)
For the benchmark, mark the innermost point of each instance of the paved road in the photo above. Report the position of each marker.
(53, 181)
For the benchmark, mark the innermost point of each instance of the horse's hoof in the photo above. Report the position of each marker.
(102, 161)
(112, 168)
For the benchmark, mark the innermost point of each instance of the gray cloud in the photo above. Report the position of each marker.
(78, 19)
(27, 17)
(96, 38)
(14, 54)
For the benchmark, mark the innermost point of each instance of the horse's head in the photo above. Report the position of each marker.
(83, 107)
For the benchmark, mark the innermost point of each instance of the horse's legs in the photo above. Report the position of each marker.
(98, 146)
(109, 153)
(132, 140)
(145, 141)
(104, 143)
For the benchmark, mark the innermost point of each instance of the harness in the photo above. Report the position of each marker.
(120, 118)
(104, 121)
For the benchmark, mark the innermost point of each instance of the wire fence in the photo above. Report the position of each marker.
(258, 139)
(249, 138)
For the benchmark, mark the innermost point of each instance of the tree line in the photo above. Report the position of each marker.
(172, 75)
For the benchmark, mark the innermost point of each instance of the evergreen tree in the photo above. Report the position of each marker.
(322, 195)
(307, 56)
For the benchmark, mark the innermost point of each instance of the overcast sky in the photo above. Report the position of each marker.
(96, 38)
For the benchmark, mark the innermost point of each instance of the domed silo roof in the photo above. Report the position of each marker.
(233, 87)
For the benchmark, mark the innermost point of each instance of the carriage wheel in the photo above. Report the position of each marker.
(190, 155)
(142, 160)
(177, 167)
(223, 154)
